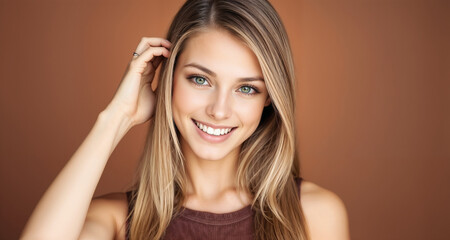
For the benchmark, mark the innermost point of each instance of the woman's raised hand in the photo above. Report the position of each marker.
(66, 202)
(135, 98)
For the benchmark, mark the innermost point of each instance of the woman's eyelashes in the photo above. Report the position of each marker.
(248, 89)
(202, 81)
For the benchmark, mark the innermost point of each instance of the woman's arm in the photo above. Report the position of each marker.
(61, 212)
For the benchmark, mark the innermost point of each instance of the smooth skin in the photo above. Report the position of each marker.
(66, 210)
(221, 87)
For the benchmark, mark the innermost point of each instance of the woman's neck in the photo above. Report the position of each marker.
(209, 178)
(211, 184)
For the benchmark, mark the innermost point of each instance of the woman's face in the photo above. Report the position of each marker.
(218, 95)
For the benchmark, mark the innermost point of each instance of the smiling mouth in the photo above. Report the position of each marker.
(213, 131)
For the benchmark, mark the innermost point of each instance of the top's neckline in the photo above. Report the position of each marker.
(217, 218)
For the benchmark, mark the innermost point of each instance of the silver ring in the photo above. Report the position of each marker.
(135, 54)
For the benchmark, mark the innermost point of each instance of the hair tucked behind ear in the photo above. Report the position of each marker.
(267, 164)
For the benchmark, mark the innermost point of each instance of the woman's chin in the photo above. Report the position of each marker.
(210, 156)
(214, 154)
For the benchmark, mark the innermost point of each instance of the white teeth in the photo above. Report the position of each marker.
(217, 132)
(212, 131)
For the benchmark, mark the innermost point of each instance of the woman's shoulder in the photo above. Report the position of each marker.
(324, 211)
(106, 217)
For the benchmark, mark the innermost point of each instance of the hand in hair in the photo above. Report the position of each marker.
(135, 97)
(62, 212)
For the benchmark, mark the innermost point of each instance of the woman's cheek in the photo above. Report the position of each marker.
(251, 112)
(183, 96)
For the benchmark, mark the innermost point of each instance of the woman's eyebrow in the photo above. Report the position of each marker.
(204, 69)
(210, 72)
(251, 79)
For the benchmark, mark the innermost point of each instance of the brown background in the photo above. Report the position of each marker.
(373, 102)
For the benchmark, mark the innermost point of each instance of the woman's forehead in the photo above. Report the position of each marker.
(220, 52)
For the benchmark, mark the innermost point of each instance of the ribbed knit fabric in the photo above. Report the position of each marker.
(191, 224)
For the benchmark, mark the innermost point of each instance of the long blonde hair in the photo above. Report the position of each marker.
(267, 162)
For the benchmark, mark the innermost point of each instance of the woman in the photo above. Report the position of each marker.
(221, 148)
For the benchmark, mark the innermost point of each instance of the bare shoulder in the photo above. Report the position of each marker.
(325, 213)
(106, 217)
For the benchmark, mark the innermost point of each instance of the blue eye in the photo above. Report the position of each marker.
(199, 80)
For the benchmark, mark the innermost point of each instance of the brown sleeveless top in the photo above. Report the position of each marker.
(192, 224)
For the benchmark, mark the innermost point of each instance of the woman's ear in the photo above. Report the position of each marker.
(268, 102)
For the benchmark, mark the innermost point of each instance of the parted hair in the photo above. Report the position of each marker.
(268, 162)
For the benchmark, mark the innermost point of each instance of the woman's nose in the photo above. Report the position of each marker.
(219, 107)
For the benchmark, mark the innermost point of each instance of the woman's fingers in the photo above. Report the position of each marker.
(147, 42)
(140, 64)
(151, 51)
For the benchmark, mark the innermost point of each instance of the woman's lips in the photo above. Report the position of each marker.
(213, 133)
